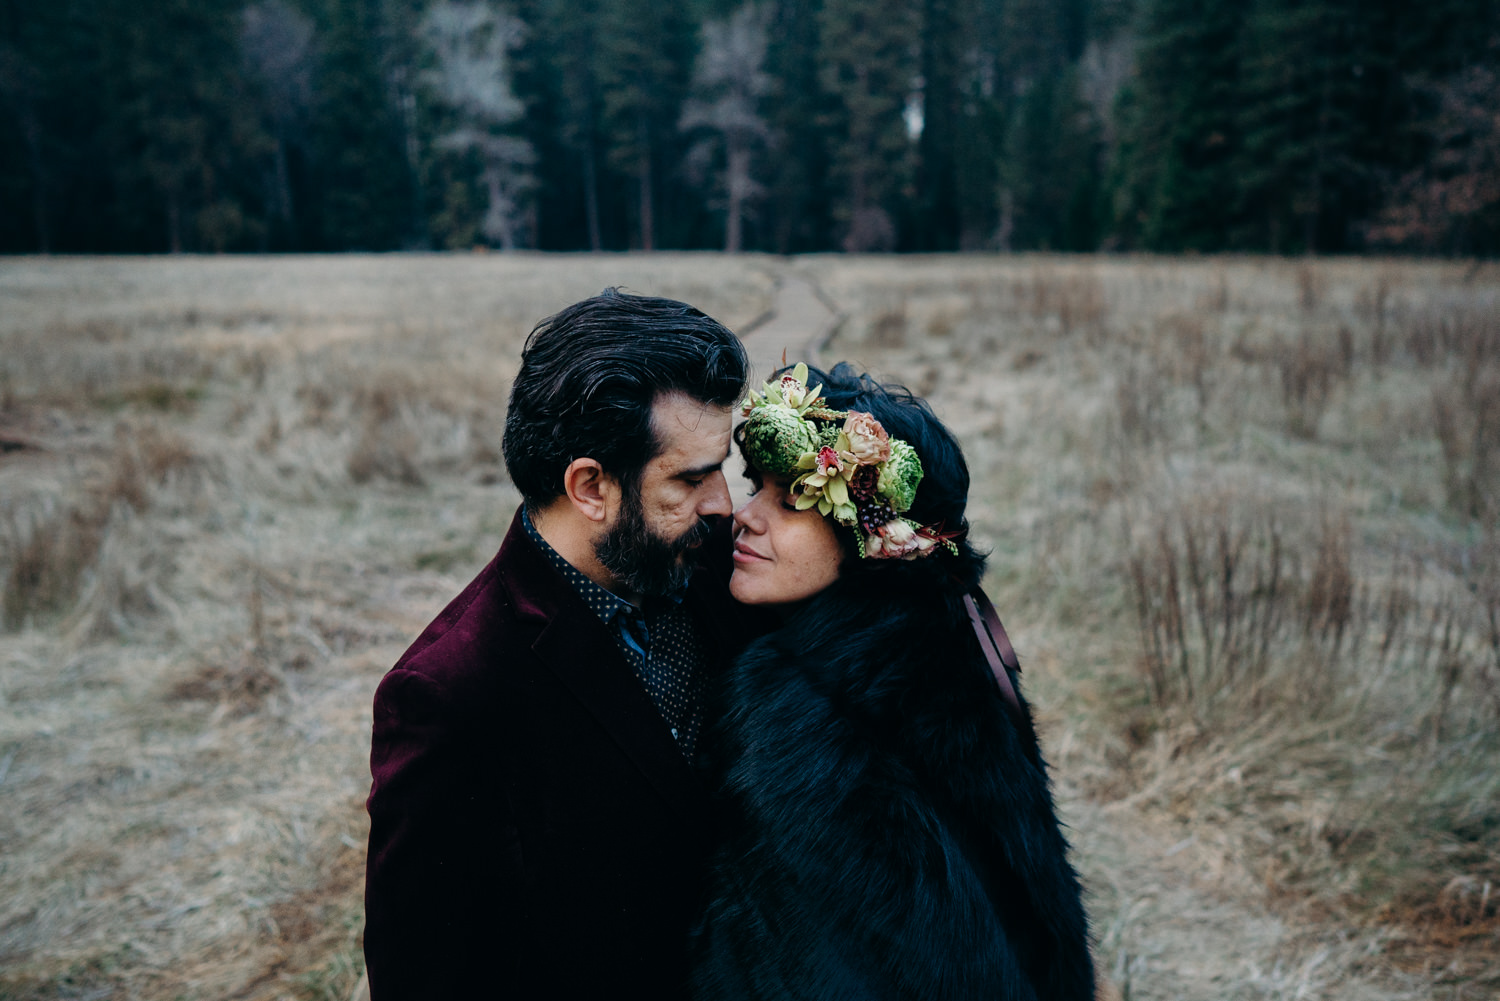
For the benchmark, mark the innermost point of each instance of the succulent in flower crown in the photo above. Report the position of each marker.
(843, 463)
(782, 438)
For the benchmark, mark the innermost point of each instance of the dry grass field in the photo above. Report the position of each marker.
(1243, 519)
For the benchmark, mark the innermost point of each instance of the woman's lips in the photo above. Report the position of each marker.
(744, 554)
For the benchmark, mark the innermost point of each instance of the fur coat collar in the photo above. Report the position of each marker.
(888, 831)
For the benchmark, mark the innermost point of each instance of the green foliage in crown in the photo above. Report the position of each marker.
(776, 438)
(901, 475)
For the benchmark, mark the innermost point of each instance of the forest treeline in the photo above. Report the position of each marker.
(778, 125)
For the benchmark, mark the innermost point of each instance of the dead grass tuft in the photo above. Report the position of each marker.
(1466, 417)
(53, 560)
(146, 458)
(387, 446)
(1140, 396)
(1216, 588)
(1228, 590)
(1216, 298)
(1465, 330)
(1081, 307)
(1312, 286)
(1073, 298)
(239, 682)
(45, 560)
(1309, 368)
(888, 329)
(1248, 619)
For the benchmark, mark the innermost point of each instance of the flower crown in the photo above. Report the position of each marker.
(844, 464)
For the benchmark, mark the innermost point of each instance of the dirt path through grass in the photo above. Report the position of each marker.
(798, 323)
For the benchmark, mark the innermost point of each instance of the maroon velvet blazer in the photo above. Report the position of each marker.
(534, 830)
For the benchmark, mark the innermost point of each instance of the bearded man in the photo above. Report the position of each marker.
(537, 829)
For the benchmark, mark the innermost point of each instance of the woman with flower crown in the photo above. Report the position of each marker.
(888, 831)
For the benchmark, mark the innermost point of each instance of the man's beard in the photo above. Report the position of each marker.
(642, 560)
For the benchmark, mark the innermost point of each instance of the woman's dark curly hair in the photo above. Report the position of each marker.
(943, 494)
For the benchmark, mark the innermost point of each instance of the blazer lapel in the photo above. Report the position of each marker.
(585, 657)
(578, 648)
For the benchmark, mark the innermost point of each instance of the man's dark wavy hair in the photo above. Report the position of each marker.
(590, 374)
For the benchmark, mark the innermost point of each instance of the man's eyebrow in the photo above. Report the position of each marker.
(700, 471)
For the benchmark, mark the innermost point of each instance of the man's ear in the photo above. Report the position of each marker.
(594, 493)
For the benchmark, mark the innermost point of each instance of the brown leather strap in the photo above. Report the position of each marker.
(995, 644)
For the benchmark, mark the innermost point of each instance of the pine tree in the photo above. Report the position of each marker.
(1052, 168)
(645, 59)
(26, 175)
(868, 67)
(557, 76)
(469, 44)
(1299, 172)
(180, 122)
(1049, 170)
(1451, 203)
(277, 45)
(365, 187)
(728, 84)
(978, 134)
(935, 223)
(798, 202)
(1177, 169)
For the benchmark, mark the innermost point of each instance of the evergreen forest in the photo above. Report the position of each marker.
(788, 126)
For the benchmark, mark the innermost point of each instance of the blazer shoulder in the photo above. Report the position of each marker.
(482, 621)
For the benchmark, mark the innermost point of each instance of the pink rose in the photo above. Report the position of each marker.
(897, 540)
(868, 441)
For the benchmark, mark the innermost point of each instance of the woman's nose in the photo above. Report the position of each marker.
(745, 517)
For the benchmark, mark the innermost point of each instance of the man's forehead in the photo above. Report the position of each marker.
(679, 411)
(690, 432)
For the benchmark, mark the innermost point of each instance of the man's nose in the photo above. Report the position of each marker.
(716, 499)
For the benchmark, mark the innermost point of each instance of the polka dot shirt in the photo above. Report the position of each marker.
(660, 643)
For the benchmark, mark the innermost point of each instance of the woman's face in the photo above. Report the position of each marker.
(781, 555)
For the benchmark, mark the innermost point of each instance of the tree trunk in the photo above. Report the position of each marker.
(1315, 217)
(406, 101)
(174, 222)
(32, 130)
(283, 213)
(500, 196)
(1007, 220)
(738, 181)
(648, 221)
(591, 195)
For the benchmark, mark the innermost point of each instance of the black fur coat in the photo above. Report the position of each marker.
(888, 827)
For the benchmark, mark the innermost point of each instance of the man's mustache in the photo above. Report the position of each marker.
(697, 535)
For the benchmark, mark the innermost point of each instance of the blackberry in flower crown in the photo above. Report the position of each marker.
(843, 463)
